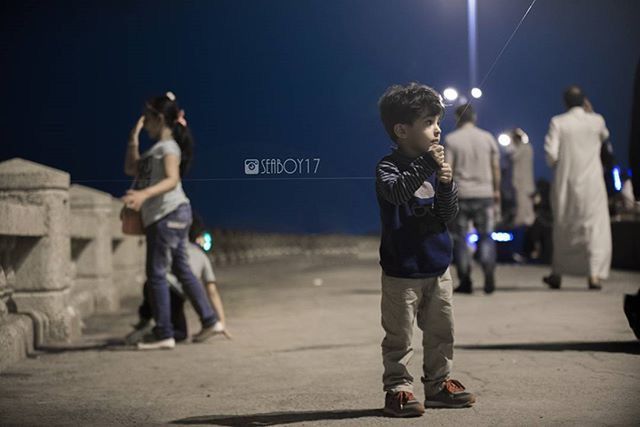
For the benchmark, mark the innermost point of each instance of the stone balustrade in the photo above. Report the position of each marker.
(63, 256)
(56, 257)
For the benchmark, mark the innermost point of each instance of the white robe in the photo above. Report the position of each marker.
(581, 224)
(523, 183)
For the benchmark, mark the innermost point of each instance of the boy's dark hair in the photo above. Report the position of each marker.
(197, 227)
(405, 104)
(465, 114)
(573, 96)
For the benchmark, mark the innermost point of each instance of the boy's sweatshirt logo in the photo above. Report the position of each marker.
(425, 191)
(422, 207)
(289, 166)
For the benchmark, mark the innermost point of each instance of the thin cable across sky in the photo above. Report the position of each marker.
(473, 60)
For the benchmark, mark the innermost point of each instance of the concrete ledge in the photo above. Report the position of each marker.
(83, 302)
(21, 174)
(21, 220)
(116, 223)
(16, 339)
(89, 198)
(52, 310)
(128, 280)
(94, 294)
(83, 227)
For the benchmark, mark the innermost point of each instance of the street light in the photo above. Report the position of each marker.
(450, 94)
(504, 139)
(476, 92)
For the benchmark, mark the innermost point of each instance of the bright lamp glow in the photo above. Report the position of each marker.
(450, 94)
(504, 139)
(501, 236)
(476, 92)
(617, 182)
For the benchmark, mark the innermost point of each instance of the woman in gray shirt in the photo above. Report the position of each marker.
(166, 214)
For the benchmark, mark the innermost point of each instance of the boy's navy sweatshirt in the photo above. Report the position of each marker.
(414, 209)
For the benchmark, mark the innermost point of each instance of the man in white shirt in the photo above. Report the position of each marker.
(475, 158)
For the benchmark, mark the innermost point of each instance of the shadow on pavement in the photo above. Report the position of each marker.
(629, 347)
(541, 288)
(115, 344)
(478, 289)
(275, 418)
(324, 347)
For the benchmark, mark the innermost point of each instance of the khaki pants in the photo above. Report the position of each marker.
(428, 300)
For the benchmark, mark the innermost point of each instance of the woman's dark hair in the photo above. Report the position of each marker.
(405, 104)
(174, 119)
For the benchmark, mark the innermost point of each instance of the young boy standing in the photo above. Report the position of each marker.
(417, 197)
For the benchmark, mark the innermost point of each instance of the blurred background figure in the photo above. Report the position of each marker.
(200, 264)
(506, 208)
(474, 156)
(538, 243)
(166, 215)
(623, 206)
(634, 140)
(581, 224)
(522, 178)
(202, 267)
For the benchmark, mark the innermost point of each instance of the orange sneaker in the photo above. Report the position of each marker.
(402, 404)
(452, 395)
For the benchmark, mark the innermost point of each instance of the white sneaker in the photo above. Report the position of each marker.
(218, 327)
(208, 332)
(165, 344)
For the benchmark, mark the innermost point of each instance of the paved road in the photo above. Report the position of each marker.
(310, 354)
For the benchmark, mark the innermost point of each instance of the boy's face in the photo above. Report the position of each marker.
(420, 135)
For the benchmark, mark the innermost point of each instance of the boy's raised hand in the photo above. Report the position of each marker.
(445, 174)
(436, 151)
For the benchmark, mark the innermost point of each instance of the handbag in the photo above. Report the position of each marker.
(131, 220)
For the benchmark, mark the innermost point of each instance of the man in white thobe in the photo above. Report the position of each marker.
(581, 225)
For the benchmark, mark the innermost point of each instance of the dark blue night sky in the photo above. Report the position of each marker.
(298, 78)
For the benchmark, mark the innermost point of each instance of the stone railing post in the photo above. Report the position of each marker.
(128, 256)
(39, 265)
(93, 288)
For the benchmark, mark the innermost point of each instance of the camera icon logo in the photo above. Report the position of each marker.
(251, 167)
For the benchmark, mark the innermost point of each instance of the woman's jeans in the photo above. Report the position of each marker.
(178, 319)
(166, 247)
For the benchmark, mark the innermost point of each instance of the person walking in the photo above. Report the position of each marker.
(522, 178)
(581, 224)
(474, 156)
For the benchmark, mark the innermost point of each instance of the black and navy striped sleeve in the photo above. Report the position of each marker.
(397, 186)
(445, 205)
